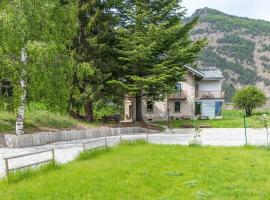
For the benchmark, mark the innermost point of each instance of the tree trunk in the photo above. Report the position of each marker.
(248, 112)
(88, 107)
(139, 116)
(21, 110)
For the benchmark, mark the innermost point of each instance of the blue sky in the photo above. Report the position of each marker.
(257, 9)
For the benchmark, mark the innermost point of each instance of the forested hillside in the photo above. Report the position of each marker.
(239, 47)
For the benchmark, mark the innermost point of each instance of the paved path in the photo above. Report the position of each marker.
(67, 151)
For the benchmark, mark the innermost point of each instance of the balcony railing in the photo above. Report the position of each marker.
(178, 95)
(209, 95)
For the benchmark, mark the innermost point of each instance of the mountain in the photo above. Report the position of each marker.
(239, 47)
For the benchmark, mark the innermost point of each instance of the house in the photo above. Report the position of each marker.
(199, 94)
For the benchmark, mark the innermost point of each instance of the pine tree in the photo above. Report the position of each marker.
(155, 46)
(94, 52)
(35, 63)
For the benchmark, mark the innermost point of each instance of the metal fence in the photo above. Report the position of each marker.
(9, 169)
(92, 144)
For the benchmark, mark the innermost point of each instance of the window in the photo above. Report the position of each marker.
(177, 106)
(150, 106)
(178, 86)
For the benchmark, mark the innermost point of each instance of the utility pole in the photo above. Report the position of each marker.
(245, 126)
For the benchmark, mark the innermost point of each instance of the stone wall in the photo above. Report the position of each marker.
(2, 140)
(42, 138)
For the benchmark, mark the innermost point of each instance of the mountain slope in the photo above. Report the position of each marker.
(239, 47)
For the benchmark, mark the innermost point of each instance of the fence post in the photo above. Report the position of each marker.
(147, 137)
(7, 168)
(106, 144)
(84, 147)
(120, 138)
(245, 125)
(53, 155)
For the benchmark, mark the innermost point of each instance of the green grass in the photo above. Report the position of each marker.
(38, 120)
(145, 171)
(231, 119)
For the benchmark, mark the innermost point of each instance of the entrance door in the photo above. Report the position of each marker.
(218, 108)
(198, 108)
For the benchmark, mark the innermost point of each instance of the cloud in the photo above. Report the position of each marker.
(257, 9)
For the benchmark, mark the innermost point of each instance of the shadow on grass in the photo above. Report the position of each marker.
(133, 142)
(20, 175)
(90, 154)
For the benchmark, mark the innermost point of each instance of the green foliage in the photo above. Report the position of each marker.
(44, 29)
(229, 90)
(226, 23)
(95, 56)
(249, 98)
(237, 47)
(38, 118)
(209, 56)
(154, 47)
(265, 58)
(265, 48)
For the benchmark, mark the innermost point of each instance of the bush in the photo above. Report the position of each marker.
(249, 98)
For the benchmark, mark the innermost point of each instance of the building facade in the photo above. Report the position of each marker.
(200, 94)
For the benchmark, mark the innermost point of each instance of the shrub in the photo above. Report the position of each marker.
(249, 98)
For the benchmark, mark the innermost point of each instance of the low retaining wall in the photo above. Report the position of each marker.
(2, 140)
(42, 138)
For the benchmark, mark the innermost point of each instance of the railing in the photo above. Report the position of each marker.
(178, 95)
(209, 95)
(86, 145)
(8, 169)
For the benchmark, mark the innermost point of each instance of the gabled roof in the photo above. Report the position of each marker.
(212, 75)
(195, 72)
(207, 74)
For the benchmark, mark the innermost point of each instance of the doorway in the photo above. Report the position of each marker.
(198, 108)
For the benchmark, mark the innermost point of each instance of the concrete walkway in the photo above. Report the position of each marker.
(67, 151)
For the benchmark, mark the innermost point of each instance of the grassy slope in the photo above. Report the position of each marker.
(152, 172)
(38, 120)
(231, 119)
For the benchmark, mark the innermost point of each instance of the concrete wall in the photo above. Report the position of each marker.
(2, 140)
(42, 138)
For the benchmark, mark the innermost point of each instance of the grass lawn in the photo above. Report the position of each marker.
(231, 119)
(145, 171)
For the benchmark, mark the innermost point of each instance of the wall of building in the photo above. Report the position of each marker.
(208, 85)
(160, 111)
(209, 107)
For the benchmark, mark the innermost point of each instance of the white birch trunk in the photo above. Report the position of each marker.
(21, 110)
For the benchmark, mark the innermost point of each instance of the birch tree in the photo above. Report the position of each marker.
(34, 53)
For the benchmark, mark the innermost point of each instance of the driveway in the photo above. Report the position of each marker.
(67, 151)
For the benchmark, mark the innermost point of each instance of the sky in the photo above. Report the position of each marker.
(256, 9)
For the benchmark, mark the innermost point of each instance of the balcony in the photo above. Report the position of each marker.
(180, 95)
(210, 95)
